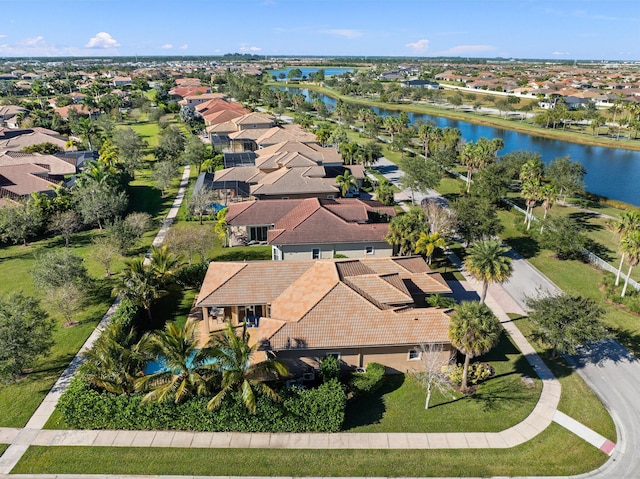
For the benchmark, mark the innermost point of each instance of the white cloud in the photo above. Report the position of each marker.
(244, 47)
(33, 46)
(467, 50)
(102, 40)
(183, 47)
(2, 36)
(419, 46)
(560, 53)
(342, 32)
(167, 46)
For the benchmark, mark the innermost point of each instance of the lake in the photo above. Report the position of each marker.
(611, 172)
(328, 71)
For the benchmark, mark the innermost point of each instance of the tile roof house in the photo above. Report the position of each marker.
(9, 115)
(313, 228)
(286, 170)
(16, 140)
(363, 310)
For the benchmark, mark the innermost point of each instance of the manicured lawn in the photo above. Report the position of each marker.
(19, 400)
(537, 457)
(498, 404)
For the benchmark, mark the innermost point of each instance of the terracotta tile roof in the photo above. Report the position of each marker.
(309, 223)
(247, 133)
(345, 319)
(327, 304)
(218, 104)
(277, 135)
(316, 282)
(291, 159)
(293, 181)
(256, 282)
(24, 179)
(18, 139)
(54, 165)
(386, 289)
(220, 116)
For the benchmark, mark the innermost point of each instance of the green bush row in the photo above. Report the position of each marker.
(632, 299)
(302, 410)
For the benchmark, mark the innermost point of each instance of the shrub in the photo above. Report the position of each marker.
(192, 275)
(330, 368)
(126, 313)
(478, 372)
(369, 381)
(314, 410)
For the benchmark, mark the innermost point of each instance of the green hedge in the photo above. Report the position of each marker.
(314, 410)
(369, 381)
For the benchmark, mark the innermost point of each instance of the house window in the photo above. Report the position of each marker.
(330, 197)
(315, 253)
(414, 355)
(276, 254)
(258, 233)
(369, 250)
(285, 197)
(334, 354)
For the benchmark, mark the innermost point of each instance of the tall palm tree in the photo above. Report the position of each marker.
(548, 195)
(188, 370)
(345, 181)
(233, 354)
(486, 262)
(116, 359)
(428, 242)
(473, 331)
(531, 193)
(631, 246)
(629, 222)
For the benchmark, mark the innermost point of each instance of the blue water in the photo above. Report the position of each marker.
(328, 71)
(159, 366)
(611, 172)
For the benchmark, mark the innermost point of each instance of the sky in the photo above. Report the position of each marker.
(557, 29)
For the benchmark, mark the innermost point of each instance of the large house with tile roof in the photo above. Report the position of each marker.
(312, 228)
(361, 311)
(284, 171)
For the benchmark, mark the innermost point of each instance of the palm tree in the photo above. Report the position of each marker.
(428, 242)
(188, 370)
(530, 192)
(473, 331)
(629, 222)
(85, 128)
(164, 264)
(139, 283)
(631, 246)
(486, 262)
(233, 354)
(345, 181)
(548, 195)
(115, 360)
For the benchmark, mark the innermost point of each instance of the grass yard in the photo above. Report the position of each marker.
(537, 457)
(577, 400)
(498, 404)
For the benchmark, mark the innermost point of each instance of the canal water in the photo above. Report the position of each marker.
(611, 172)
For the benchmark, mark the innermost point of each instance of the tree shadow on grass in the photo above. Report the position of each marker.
(525, 245)
(499, 395)
(148, 199)
(366, 410)
(583, 219)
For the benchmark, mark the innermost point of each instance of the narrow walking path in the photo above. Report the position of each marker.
(23, 437)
